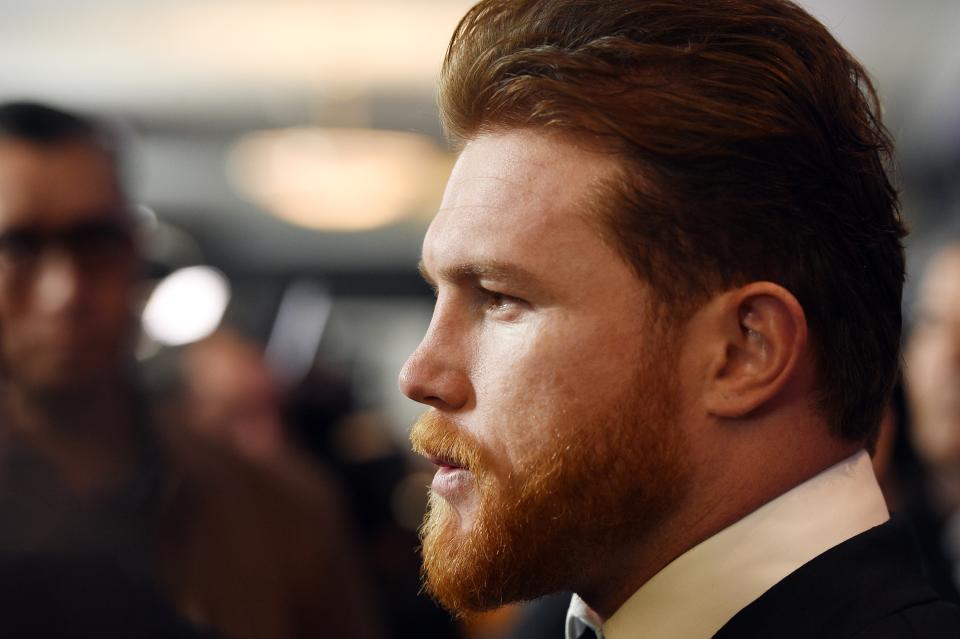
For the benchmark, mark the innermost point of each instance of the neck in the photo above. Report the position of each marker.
(716, 500)
(88, 436)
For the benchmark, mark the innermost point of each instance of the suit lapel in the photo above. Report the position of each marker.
(870, 576)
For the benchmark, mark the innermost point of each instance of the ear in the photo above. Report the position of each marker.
(758, 336)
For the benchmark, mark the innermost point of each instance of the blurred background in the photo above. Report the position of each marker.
(295, 147)
(287, 158)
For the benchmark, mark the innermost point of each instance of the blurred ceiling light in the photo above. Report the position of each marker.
(339, 179)
(213, 44)
(186, 306)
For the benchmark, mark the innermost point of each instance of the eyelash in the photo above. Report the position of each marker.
(499, 302)
(491, 300)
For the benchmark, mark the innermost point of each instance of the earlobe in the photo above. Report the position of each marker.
(761, 334)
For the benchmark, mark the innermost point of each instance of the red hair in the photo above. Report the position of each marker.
(751, 148)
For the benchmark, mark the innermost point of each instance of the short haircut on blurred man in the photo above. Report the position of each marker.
(668, 267)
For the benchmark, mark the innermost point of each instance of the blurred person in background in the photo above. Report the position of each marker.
(86, 471)
(668, 267)
(74, 478)
(264, 542)
(384, 491)
(231, 397)
(68, 268)
(78, 472)
(932, 376)
(905, 480)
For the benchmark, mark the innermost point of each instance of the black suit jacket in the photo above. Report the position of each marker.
(869, 587)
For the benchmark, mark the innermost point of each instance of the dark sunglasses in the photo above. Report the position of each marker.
(90, 244)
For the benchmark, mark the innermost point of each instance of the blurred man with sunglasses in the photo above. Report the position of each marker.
(104, 505)
(78, 472)
(68, 267)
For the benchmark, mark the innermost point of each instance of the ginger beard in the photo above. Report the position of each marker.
(548, 525)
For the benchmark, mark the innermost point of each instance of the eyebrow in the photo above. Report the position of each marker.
(502, 271)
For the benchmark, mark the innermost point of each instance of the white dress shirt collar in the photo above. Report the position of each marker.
(580, 617)
(702, 589)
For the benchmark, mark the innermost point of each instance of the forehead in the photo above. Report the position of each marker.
(519, 197)
(55, 185)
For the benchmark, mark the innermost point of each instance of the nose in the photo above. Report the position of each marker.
(58, 283)
(435, 374)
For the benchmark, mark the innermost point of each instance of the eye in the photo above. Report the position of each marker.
(19, 247)
(502, 306)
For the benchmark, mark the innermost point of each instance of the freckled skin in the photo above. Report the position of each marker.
(546, 359)
(517, 375)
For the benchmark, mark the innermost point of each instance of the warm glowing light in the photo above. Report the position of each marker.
(339, 179)
(186, 306)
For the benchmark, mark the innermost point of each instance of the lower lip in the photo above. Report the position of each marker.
(450, 481)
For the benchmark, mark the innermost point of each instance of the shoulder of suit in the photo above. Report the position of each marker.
(930, 620)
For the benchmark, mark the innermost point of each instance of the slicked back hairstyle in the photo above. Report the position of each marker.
(751, 149)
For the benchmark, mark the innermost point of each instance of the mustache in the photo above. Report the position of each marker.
(441, 440)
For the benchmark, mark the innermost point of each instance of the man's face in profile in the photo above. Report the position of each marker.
(553, 385)
(933, 369)
(67, 265)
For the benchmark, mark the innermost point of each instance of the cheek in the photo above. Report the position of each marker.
(13, 297)
(110, 299)
(14, 317)
(534, 386)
